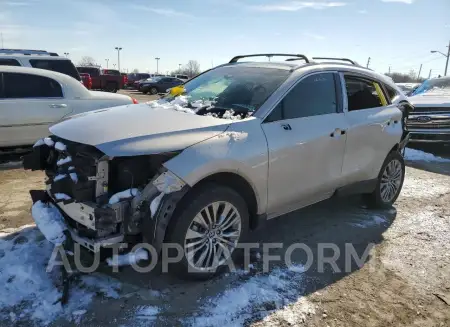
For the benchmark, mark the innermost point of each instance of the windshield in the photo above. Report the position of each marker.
(230, 90)
(438, 84)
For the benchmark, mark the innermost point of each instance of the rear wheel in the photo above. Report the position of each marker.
(111, 87)
(208, 229)
(390, 182)
(153, 90)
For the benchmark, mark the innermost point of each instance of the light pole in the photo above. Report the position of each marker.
(114, 65)
(107, 63)
(179, 67)
(157, 64)
(66, 54)
(118, 57)
(446, 56)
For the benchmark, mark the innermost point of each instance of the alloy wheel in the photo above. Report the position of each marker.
(391, 180)
(212, 236)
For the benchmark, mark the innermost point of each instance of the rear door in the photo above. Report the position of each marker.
(29, 104)
(375, 127)
(306, 135)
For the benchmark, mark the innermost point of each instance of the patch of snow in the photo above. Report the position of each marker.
(147, 312)
(368, 221)
(230, 114)
(178, 104)
(61, 162)
(49, 221)
(234, 136)
(417, 155)
(123, 195)
(74, 177)
(29, 294)
(59, 177)
(39, 143)
(62, 196)
(71, 168)
(235, 306)
(60, 146)
(155, 204)
(128, 259)
(11, 164)
(49, 141)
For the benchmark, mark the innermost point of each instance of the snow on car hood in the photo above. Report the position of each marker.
(139, 129)
(432, 99)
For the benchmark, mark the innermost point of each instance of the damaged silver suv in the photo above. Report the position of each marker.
(237, 145)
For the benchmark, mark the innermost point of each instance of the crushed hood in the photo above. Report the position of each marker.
(138, 129)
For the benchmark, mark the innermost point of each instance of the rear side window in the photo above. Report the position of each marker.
(363, 94)
(9, 62)
(61, 66)
(314, 95)
(19, 86)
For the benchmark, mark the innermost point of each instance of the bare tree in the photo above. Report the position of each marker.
(135, 71)
(191, 69)
(87, 61)
(410, 77)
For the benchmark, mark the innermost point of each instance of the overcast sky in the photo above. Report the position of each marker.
(399, 33)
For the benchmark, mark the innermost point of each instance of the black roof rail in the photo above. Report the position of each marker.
(340, 59)
(269, 55)
(28, 52)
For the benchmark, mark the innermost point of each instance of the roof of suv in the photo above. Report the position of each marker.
(41, 72)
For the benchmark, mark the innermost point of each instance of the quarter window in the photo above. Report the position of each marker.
(363, 94)
(312, 96)
(30, 86)
(9, 62)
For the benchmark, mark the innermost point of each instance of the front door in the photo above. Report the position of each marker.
(29, 104)
(306, 134)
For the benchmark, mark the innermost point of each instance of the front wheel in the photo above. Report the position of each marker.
(390, 182)
(208, 229)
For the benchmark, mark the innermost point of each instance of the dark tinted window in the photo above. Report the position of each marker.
(9, 62)
(142, 76)
(314, 95)
(61, 66)
(30, 86)
(362, 94)
(111, 72)
(89, 70)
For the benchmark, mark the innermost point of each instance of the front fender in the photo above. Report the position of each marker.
(241, 149)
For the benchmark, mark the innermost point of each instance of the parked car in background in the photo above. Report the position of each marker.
(407, 88)
(101, 81)
(430, 120)
(87, 80)
(184, 78)
(134, 77)
(38, 59)
(159, 84)
(265, 139)
(33, 99)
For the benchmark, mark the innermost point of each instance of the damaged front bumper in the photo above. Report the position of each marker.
(90, 218)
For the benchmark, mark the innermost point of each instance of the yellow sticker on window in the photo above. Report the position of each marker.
(380, 94)
(177, 90)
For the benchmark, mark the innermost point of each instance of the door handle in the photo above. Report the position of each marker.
(338, 131)
(62, 105)
(286, 127)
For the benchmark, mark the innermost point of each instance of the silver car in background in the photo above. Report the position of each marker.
(235, 146)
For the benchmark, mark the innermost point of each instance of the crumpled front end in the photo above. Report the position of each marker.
(103, 200)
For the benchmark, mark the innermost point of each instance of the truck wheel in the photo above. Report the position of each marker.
(153, 90)
(390, 182)
(111, 87)
(208, 227)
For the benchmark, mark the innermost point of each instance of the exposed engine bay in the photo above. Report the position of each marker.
(106, 200)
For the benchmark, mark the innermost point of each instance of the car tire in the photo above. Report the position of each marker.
(153, 91)
(111, 87)
(190, 226)
(389, 182)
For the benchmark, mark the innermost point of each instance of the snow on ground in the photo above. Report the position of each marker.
(416, 186)
(29, 290)
(368, 221)
(257, 298)
(417, 155)
(50, 222)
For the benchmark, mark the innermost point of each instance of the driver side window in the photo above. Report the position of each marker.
(314, 95)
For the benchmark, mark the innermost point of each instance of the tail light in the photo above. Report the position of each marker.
(125, 79)
(134, 100)
(89, 82)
